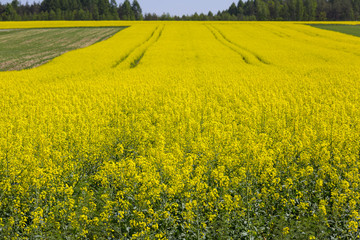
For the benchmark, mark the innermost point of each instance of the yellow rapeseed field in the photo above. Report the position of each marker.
(185, 130)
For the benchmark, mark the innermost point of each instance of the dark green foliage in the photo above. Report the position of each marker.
(71, 10)
(278, 10)
(261, 10)
(233, 10)
(135, 7)
(126, 12)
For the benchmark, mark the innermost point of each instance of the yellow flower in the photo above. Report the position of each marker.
(353, 226)
(285, 231)
(180, 125)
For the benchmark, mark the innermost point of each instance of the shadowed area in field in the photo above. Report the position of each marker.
(28, 48)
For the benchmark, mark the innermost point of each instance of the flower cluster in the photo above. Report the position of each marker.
(186, 131)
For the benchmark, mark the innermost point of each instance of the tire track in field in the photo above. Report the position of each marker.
(132, 50)
(138, 52)
(270, 29)
(283, 32)
(220, 40)
(238, 46)
(315, 36)
(134, 63)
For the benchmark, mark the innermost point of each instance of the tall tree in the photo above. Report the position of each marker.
(233, 10)
(310, 10)
(137, 10)
(113, 10)
(64, 4)
(249, 8)
(210, 15)
(244, 10)
(104, 12)
(125, 11)
(15, 4)
(262, 10)
(322, 10)
(274, 13)
(9, 13)
(240, 7)
(356, 4)
(300, 10)
(285, 12)
(347, 10)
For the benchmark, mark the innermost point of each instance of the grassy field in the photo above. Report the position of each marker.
(348, 29)
(28, 48)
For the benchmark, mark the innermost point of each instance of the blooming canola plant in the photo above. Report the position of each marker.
(185, 130)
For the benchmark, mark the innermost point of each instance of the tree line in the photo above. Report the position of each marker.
(294, 10)
(261, 10)
(71, 10)
(278, 10)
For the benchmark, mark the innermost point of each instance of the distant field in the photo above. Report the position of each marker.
(348, 29)
(28, 48)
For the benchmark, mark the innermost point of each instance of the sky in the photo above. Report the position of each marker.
(174, 7)
(180, 7)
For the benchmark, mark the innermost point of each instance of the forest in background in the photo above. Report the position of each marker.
(71, 10)
(251, 10)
